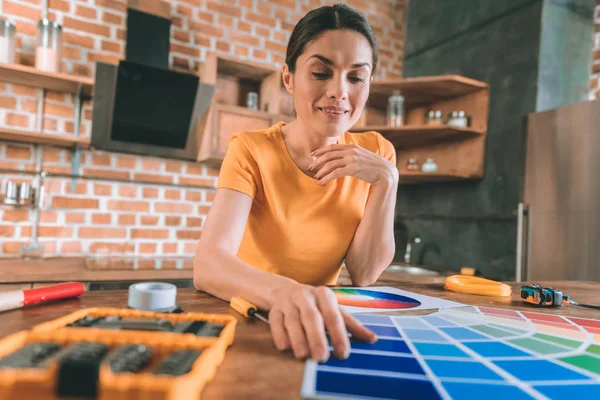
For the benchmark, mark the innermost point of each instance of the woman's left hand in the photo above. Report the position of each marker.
(338, 160)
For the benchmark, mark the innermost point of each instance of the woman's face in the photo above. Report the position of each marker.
(331, 82)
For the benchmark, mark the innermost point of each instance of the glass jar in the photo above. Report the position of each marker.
(49, 46)
(394, 109)
(252, 101)
(7, 42)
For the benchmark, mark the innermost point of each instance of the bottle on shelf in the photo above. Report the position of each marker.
(395, 109)
(49, 46)
(7, 42)
(412, 165)
(429, 166)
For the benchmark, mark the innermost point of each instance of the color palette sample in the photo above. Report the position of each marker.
(465, 353)
(373, 299)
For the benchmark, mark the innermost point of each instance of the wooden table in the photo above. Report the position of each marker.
(253, 368)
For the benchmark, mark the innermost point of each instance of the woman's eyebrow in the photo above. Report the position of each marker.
(327, 61)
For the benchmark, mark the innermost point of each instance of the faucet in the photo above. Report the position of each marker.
(411, 240)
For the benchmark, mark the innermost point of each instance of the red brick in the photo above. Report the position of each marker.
(71, 53)
(85, 26)
(244, 27)
(206, 29)
(261, 19)
(113, 4)
(204, 16)
(126, 219)
(280, 37)
(169, 247)
(172, 220)
(80, 187)
(173, 208)
(59, 5)
(75, 218)
(210, 196)
(24, 90)
(58, 110)
(150, 165)
(173, 166)
(20, 10)
(29, 105)
(70, 247)
(181, 63)
(184, 10)
(17, 120)
(192, 222)
(223, 9)
(223, 46)
(148, 248)
(203, 210)
(86, 12)
(190, 248)
(101, 189)
(50, 124)
(196, 182)
(55, 231)
(74, 202)
(173, 194)
(101, 219)
(48, 216)
(269, 45)
(13, 247)
(596, 68)
(126, 162)
(128, 191)
(225, 21)
(18, 152)
(259, 54)
(246, 39)
(106, 173)
(104, 247)
(201, 41)
(111, 46)
(149, 220)
(79, 40)
(193, 196)
(15, 215)
(93, 57)
(190, 234)
(112, 18)
(153, 178)
(86, 233)
(150, 193)
(246, 3)
(180, 48)
(8, 102)
(149, 234)
(125, 205)
(277, 59)
(264, 32)
(182, 36)
(101, 160)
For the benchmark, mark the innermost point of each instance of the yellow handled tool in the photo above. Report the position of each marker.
(246, 308)
(475, 285)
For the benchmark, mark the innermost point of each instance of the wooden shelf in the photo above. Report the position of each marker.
(29, 76)
(424, 177)
(51, 139)
(428, 89)
(418, 135)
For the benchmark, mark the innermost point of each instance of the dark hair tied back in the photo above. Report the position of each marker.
(326, 18)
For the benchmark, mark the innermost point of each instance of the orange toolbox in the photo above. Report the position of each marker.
(109, 353)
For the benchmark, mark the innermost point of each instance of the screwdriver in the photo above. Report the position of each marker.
(246, 308)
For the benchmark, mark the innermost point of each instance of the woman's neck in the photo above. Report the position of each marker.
(301, 140)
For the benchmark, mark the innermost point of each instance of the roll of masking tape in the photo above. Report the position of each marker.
(153, 296)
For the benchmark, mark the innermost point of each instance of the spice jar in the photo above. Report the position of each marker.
(394, 109)
(434, 117)
(49, 46)
(412, 164)
(459, 118)
(429, 166)
(7, 42)
(252, 101)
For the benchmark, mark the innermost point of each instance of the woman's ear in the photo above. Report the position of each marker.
(288, 80)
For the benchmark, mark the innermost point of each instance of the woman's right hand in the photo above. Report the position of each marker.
(300, 316)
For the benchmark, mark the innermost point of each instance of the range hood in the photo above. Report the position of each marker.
(140, 105)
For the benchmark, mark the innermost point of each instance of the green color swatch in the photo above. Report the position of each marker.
(589, 363)
(539, 346)
(565, 342)
(489, 330)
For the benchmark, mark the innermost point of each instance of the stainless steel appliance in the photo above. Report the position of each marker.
(559, 219)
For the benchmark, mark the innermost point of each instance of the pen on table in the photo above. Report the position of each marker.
(20, 298)
(246, 308)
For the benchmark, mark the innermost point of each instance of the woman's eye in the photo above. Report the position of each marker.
(320, 75)
(356, 79)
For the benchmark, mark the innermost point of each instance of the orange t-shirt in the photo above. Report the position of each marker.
(296, 227)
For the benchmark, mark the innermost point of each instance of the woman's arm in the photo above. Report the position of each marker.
(373, 246)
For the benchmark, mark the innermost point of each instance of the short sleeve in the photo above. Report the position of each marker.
(386, 149)
(239, 170)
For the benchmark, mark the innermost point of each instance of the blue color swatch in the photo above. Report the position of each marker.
(462, 390)
(462, 369)
(578, 391)
(462, 333)
(423, 335)
(410, 323)
(437, 321)
(495, 349)
(539, 370)
(374, 319)
(439, 349)
(389, 331)
(375, 386)
(396, 346)
(406, 365)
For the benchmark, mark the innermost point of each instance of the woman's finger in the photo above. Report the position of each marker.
(335, 174)
(358, 330)
(295, 333)
(327, 303)
(332, 147)
(280, 337)
(312, 321)
(330, 166)
(326, 157)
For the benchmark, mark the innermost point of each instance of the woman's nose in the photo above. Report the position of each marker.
(337, 89)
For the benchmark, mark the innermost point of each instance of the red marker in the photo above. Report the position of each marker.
(20, 298)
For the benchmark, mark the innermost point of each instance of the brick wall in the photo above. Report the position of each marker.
(595, 79)
(103, 216)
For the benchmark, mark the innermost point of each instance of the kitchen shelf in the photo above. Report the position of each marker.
(428, 89)
(58, 140)
(30, 76)
(418, 135)
(425, 177)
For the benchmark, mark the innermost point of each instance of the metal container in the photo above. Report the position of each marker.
(24, 193)
(11, 193)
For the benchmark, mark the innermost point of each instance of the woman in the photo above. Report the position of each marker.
(295, 200)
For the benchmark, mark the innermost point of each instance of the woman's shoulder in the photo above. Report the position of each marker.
(370, 140)
(257, 137)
